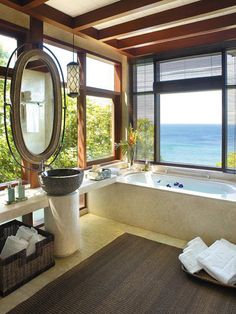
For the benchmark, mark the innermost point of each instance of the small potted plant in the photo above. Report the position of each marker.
(128, 145)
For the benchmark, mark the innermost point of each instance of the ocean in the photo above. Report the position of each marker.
(198, 144)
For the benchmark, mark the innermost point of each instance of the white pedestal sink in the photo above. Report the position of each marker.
(62, 220)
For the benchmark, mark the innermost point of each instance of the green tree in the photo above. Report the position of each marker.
(99, 127)
(145, 147)
(68, 156)
(231, 161)
(9, 169)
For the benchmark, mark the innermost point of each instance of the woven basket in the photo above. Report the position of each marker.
(18, 269)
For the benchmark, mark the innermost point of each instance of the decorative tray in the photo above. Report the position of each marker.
(202, 275)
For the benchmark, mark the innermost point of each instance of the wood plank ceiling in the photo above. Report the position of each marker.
(139, 27)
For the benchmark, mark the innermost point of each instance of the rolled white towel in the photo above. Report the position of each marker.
(189, 260)
(229, 244)
(12, 246)
(219, 261)
(115, 171)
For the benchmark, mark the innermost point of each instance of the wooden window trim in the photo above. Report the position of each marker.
(194, 84)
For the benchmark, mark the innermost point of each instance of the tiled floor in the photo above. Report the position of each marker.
(96, 232)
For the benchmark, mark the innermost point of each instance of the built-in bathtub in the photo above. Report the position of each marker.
(187, 208)
(195, 186)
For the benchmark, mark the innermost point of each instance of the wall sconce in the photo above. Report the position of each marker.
(73, 77)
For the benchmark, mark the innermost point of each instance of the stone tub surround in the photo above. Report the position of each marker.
(179, 215)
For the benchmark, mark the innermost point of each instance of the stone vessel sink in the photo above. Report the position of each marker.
(61, 181)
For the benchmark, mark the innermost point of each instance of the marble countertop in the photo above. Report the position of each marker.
(37, 199)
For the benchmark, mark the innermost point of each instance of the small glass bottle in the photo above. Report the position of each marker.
(20, 190)
(11, 194)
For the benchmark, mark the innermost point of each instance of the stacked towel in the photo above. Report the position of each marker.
(219, 261)
(12, 246)
(25, 238)
(189, 256)
(31, 235)
(229, 244)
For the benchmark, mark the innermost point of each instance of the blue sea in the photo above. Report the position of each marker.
(198, 144)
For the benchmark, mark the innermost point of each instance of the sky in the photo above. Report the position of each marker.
(195, 107)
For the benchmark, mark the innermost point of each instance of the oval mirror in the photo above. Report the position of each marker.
(36, 106)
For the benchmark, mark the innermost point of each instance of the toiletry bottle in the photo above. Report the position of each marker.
(11, 194)
(21, 190)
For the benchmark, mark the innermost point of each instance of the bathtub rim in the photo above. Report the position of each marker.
(229, 197)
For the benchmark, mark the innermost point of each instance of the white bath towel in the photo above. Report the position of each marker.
(32, 117)
(195, 240)
(24, 233)
(31, 235)
(197, 246)
(189, 260)
(229, 244)
(219, 261)
(12, 246)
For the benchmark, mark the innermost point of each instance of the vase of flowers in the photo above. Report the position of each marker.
(128, 146)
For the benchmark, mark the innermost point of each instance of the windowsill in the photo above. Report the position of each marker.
(201, 173)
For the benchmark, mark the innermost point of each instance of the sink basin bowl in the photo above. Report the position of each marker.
(61, 181)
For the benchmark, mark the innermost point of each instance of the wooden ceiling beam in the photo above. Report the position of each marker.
(169, 16)
(14, 4)
(112, 11)
(213, 38)
(31, 4)
(52, 16)
(188, 30)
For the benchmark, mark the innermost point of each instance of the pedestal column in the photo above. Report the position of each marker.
(61, 218)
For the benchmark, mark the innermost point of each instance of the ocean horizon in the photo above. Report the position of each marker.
(198, 144)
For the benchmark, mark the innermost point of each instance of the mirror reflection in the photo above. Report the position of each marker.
(36, 105)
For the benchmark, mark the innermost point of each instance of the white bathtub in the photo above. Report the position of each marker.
(201, 187)
(202, 207)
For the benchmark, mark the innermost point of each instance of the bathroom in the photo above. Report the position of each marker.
(172, 85)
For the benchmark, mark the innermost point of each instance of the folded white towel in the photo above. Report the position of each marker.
(197, 246)
(229, 244)
(219, 261)
(31, 235)
(189, 260)
(12, 246)
(195, 240)
(24, 233)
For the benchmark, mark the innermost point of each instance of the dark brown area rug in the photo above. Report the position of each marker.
(130, 275)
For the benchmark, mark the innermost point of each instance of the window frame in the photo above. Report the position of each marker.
(181, 85)
(19, 34)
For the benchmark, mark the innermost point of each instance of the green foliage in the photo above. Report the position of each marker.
(68, 156)
(9, 169)
(231, 161)
(99, 126)
(145, 146)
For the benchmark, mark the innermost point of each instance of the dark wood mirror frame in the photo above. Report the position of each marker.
(15, 94)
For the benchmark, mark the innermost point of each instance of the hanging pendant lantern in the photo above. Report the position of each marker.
(73, 77)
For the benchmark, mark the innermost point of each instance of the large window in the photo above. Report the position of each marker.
(191, 128)
(102, 102)
(231, 110)
(9, 169)
(100, 129)
(189, 111)
(69, 154)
